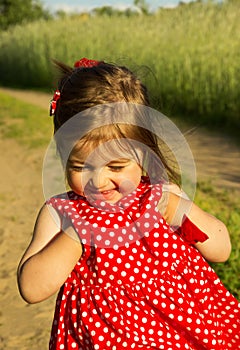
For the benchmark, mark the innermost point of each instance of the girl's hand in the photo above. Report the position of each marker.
(49, 259)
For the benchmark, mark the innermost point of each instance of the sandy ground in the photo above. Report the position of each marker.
(27, 327)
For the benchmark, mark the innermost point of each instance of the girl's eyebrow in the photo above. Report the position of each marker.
(72, 161)
(115, 161)
(121, 160)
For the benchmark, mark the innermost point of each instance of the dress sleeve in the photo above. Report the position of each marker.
(190, 232)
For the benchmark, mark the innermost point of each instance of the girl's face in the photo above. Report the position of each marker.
(103, 176)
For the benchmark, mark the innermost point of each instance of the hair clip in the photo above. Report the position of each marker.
(53, 103)
(85, 62)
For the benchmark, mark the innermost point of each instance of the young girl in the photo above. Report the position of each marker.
(125, 247)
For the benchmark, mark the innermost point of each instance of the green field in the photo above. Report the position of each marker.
(187, 56)
(31, 127)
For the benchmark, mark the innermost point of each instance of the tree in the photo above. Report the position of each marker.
(104, 11)
(143, 6)
(14, 12)
(111, 11)
(61, 14)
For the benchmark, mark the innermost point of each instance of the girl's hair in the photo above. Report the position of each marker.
(85, 87)
(102, 85)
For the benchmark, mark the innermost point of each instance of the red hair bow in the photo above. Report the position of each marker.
(53, 103)
(85, 62)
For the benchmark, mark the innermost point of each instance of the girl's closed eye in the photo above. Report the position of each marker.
(79, 168)
(76, 168)
(116, 167)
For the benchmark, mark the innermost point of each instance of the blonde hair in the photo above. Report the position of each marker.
(105, 84)
(85, 87)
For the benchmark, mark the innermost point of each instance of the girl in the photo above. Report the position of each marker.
(125, 247)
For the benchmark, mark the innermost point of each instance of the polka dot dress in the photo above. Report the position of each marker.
(138, 284)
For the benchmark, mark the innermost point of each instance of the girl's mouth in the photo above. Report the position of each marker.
(104, 194)
(107, 195)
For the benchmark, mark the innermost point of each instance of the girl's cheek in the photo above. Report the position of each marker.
(127, 186)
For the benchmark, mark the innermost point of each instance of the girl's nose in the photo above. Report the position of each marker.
(98, 179)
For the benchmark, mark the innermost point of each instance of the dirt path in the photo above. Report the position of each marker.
(217, 158)
(27, 327)
(22, 326)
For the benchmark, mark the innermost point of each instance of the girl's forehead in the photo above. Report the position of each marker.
(104, 152)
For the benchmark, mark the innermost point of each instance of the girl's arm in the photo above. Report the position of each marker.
(215, 249)
(48, 260)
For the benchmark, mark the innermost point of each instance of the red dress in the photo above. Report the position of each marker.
(139, 284)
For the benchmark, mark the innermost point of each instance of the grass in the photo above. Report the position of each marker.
(30, 126)
(224, 204)
(187, 56)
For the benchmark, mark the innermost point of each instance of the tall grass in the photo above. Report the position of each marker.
(192, 53)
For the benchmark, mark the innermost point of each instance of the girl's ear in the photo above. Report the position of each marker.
(144, 173)
(143, 162)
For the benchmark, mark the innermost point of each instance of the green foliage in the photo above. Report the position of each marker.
(188, 55)
(14, 12)
(224, 204)
(111, 11)
(142, 5)
(61, 14)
